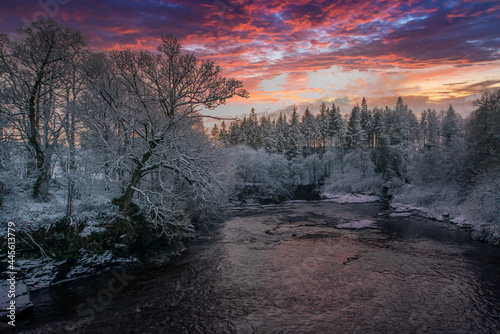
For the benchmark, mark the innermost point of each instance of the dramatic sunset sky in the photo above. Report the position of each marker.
(431, 53)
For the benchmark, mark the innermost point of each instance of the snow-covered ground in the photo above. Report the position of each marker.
(349, 198)
(406, 210)
(40, 273)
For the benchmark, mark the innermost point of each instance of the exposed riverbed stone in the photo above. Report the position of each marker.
(358, 225)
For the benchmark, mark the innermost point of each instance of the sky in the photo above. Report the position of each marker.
(286, 52)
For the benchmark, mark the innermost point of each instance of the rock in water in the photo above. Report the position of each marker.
(357, 225)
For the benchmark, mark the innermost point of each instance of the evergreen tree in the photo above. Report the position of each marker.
(366, 123)
(234, 134)
(223, 134)
(401, 124)
(336, 126)
(429, 129)
(355, 134)
(281, 133)
(214, 134)
(388, 160)
(377, 125)
(450, 125)
(295, 136)
(267, 134)
(322, 126)
(309, 133)
(253, 135)
(483, 134)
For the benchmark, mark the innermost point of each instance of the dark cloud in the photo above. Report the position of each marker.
(456, 83)
(478, 87)
(410, 33)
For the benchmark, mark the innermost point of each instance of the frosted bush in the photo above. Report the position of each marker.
(482, 207)
(356, 174)
(259, 174)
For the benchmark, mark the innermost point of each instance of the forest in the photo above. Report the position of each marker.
(436, 160)
(103, 150)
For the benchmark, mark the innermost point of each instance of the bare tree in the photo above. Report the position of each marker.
(34, 63)
(72, 92)
(157, 99)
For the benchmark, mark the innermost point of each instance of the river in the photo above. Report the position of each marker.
(287, 269)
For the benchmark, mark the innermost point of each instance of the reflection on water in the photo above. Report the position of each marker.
(286, 269)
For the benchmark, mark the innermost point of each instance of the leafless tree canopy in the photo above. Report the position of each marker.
(137, 113)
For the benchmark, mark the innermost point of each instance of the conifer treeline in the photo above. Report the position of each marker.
(362, 128)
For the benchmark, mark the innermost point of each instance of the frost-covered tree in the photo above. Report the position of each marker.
(295, 138)
(429, 129)
(259, 175)
(451, 125)
(355, 136)
(234, 133)
(267, 134)
(388, 160)
(309, 132)
(401, 124)
(377, 125)
(322, 126)
(483, 133)
(223, 134)
(336, 126)
(73, 94)
(366, 123)
(36, 64)
(250, 131)
(281, 133)
(157, 97)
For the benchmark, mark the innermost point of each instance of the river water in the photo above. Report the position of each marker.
(287, 269)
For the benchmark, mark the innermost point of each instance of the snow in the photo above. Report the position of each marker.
(92, 228)
(358, 225)
(406, 210)
(400, 214)
(349, 198)
(461, 222)
(39, 274)
(401, 207)
(91, 263)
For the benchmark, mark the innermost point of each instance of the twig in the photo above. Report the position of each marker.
(41, 249)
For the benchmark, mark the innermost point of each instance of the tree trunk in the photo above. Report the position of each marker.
(125, 200)
(71, 166)
(41, 186)
(42, 165)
